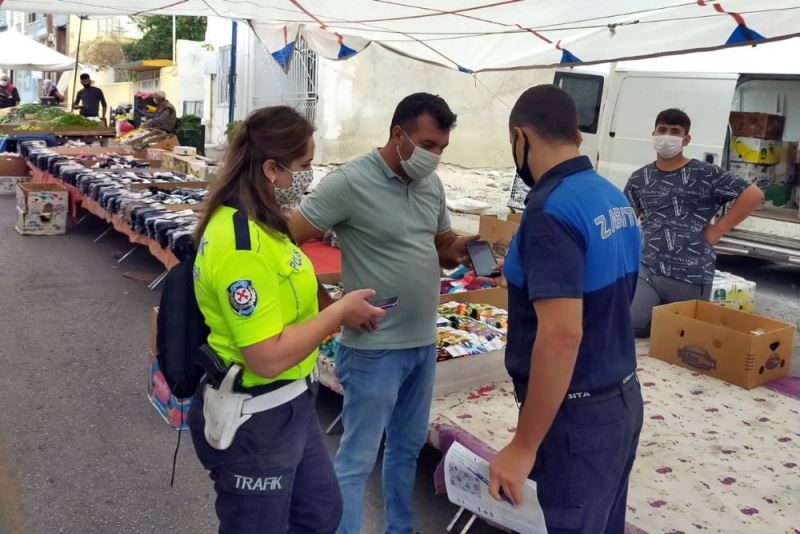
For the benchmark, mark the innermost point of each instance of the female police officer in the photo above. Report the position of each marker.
(260, 439)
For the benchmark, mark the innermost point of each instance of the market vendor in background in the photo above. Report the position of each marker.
(90, 99)
(9, 96)
(258, 294)
(678, 200)
(390, 216)
(164, 118)
(49, 90)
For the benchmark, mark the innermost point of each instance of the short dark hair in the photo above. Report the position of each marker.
(548, 110)
(85, 76)
(674, 117)
(413, 106)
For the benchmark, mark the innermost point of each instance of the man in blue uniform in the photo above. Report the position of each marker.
(571, 274)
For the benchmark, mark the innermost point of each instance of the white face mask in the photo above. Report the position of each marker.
(292, 195)
(421, 164)
(667, 146)
(3, 83)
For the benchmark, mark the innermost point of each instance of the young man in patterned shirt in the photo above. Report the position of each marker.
(678, 200)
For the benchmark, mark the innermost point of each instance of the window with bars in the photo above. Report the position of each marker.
(193, 107)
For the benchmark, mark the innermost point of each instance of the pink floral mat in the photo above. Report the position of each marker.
(713, 457)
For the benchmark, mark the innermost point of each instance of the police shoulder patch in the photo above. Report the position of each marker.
(243, 297)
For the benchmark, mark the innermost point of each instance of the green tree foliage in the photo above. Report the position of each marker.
(156, 42)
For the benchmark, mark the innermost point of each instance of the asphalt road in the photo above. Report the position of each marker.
(81, 449)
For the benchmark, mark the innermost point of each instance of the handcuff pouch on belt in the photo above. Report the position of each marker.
(222, 408)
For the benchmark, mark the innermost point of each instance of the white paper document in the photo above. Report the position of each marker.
(467, 481)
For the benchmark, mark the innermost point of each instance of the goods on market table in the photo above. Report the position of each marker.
(38, 118)
(167, 217)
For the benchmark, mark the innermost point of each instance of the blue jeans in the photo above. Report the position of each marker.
(384, 390)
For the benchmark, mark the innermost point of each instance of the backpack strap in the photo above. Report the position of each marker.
(241, 231)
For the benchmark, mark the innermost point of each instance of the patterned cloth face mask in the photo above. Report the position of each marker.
(292, 195)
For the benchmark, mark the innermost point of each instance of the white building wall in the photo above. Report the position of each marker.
(358, 97)
(218, 38)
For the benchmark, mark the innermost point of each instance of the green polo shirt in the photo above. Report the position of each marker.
(386, 231)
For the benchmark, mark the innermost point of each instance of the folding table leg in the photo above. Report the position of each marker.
(125, 256)
(101, 236)
(469, 524)
(82, 218)
(155, 283)
(333, 424)
(455, 519)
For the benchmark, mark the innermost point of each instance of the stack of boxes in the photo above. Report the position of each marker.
(13, 171)
(758, 154)
(41, 209)
(185, 159)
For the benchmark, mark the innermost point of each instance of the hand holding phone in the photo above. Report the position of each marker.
(483, 260)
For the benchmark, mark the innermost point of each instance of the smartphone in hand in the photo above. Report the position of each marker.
(483, 260)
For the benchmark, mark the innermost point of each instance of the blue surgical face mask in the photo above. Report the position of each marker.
(421, 164)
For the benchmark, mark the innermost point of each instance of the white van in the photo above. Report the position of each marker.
(618, 103)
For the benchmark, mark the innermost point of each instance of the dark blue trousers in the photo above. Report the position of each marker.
(583, 464)
(277, 476)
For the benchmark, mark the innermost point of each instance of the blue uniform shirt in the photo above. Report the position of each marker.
(579, 238)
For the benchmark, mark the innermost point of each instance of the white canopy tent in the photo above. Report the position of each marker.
(480, 35)
(23, 53)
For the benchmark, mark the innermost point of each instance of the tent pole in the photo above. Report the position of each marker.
(232, 75)
(77, 56)
(174, 33)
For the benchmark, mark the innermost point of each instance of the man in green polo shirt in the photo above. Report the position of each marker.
(389, 213)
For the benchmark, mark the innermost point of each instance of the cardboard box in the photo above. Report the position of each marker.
(54, 223)
(203, 170)
(155, 153)
(761, 175)
(733, 292)
(497, 232)
(468, 372)
(184, 151)
(8, 184)
(761, 125)
(164, 143)
(181, 163)
(13, 165)
(754, 150)
(173, 410)
(737, 347)
(42, 199)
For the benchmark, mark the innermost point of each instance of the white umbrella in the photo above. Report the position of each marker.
(23, 53)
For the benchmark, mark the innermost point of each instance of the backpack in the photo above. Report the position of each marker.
(181, 328)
